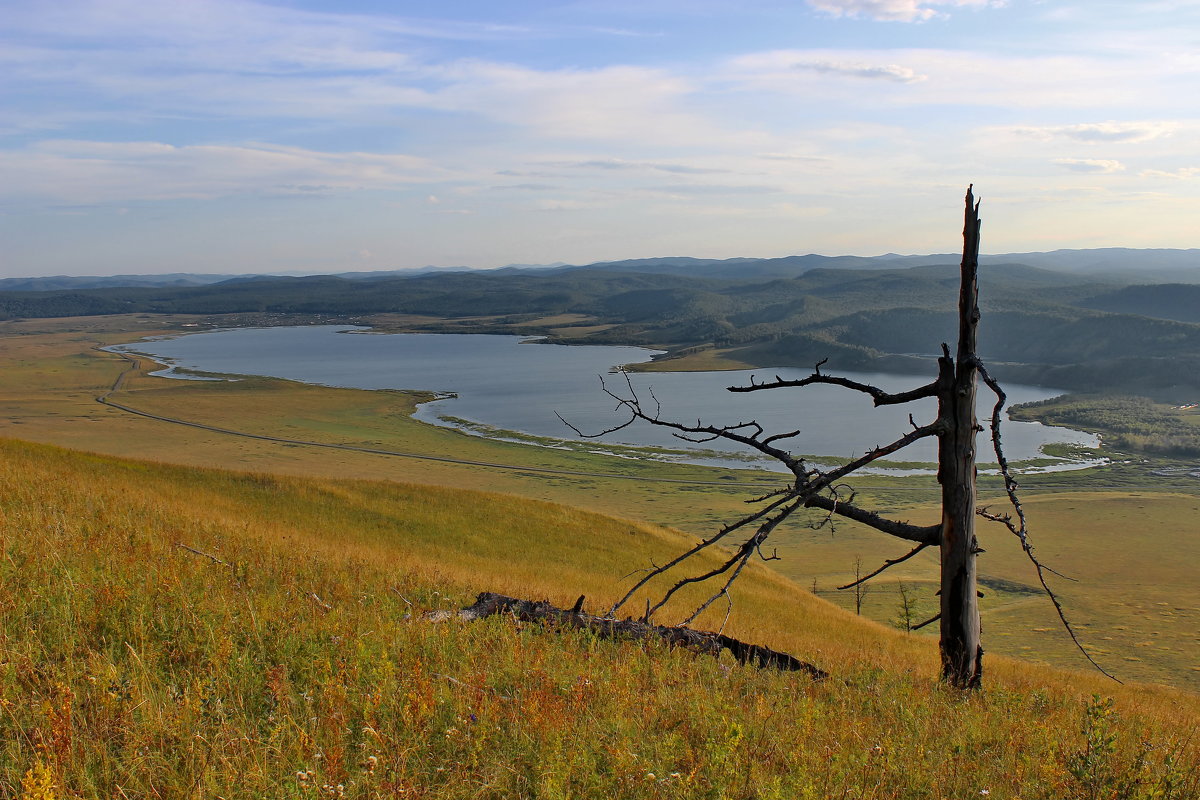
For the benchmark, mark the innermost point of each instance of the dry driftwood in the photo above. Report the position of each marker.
(489, 603)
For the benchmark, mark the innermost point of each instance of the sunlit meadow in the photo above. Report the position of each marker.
(299, 664)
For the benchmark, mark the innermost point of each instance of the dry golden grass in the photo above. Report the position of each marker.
(132, 667)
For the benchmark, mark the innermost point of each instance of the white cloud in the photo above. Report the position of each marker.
(890, 72)
(924, 77)
(1183, 173)
(712, 189)
(1135, 87)
(621, 103)
(893, 10)
(562, 205)
(798, 158)
(1096, 166)
(1099, 132)
(85, 172)
(228, 60)
(610, 164)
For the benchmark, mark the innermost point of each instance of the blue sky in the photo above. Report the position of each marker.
(312, 136)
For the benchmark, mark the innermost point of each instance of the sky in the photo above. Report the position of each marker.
(309, 136)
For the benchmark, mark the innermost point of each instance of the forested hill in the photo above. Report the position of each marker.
(1175, 301)
(1041, 326)
(1115, 264)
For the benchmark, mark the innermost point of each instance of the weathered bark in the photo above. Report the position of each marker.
(489, 603)
(962, 655)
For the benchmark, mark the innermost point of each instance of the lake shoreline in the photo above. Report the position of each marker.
(434, 372)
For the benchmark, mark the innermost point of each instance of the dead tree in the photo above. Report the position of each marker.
(955, 428)
(860, 588)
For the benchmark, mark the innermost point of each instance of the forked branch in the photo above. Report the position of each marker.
(833, 476)
(890, 562)
(744, 433)
(878, 396)
(813, 488)
(653, 573)
(927, 535)
(1019, 526)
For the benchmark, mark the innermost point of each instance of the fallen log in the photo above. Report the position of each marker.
(489, 603)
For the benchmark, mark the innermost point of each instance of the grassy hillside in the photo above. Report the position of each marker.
(132, 667)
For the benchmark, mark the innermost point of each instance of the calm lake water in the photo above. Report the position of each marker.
(506, 383)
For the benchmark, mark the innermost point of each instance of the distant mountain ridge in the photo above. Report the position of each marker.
(1119, 264)
(1071, 329)
(1112, 264)
(56, 283)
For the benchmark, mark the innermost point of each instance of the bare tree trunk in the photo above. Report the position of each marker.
(962, 655)
(819, 488)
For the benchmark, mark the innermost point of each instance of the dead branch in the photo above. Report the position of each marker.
(878, 396)
(655, 571)
(694, 433)
(927, 535)
(925, 431)
(724, 592)
(929, 621)
(1020, 527)
(891, 562)
(752, 545)
(808, 490)
(742, 555)
(488, 604)
(212, 558)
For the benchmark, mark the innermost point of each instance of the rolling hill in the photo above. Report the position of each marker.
(171, 631)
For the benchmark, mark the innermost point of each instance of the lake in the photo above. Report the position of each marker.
(508, 383)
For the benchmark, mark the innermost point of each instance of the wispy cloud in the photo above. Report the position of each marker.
(1100, 132)
(232, 61)
(711, 189)
(621, 164)
(889, 72)
(114, 173)
(793, 157)
(527, 187)
(894, 10)
(1183, 173)
(621, 103)
(931, 76)
(1099, 166)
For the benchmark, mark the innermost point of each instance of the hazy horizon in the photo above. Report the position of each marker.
(553, 265)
